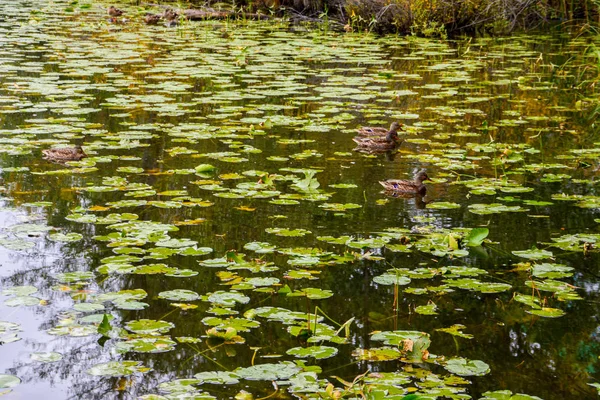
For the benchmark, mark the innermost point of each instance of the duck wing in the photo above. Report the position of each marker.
(372, 131)
(371, 141)
(399, 185)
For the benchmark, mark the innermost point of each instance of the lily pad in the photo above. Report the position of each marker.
(46, 357)
(464, 367)
(317, 352)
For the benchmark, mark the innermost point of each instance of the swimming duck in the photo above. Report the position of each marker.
(152, 19)
(115, 12)
(415, 186)
(171, 16)
(64, 154)
(378, 143)
(367, 131)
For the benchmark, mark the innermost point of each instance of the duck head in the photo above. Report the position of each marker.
(421, 176)
(396, 126)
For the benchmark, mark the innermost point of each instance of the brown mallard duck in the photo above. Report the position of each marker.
(367, 131)
(171, 16)
(152, 19)
(415, 186)
(64, 154)
(115, 12)
(378, 143)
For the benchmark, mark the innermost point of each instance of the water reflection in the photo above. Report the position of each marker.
(151, 104)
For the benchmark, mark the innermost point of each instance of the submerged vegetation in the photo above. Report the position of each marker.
(202, 226)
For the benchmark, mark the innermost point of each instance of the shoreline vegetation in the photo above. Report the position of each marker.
(430, 18)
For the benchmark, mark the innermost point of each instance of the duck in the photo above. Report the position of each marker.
(415, 186)
(115, 12)
(368, 131)
(152, 19)
(171, 16)
(378, 143)
(64, 154)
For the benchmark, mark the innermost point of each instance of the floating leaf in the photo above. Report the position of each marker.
(533, 254)
(464, 367)
(312, 293)
(217, 377)
(8, 381)
(507, 395)
(69, 237)
(46, 357)
(547, 312)
(19, 290)
(179, 295)
(391, 279)
(288, 232)
(377, 354)
(146, 345)
(455, 330)
(149, 326)
(317, 352)
(228, 298)
(268, 372)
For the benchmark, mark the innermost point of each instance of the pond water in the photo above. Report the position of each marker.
(222, 205)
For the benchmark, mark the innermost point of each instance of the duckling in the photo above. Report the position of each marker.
(152, 19)
(367, 131)
(415, 186)
(378, 143)
(64, 154)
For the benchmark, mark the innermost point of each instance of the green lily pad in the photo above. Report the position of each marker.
(217, 377)
(455, 330)
(268, 372)
(391, 279)
(533, 254)
(378, 354)
(547, 312)
(260, 247)
(20, 290)
(415, 343)
(179, 295)
(288, 232)
(46, 357)
(146, 345)
(443, 205)
(507, 395)
(69, 237)
(227, 298)
(149, 326)
(317, 352)
(27, 301)
(464, 367)
(8, 381)
(312, 293)
(426, 310)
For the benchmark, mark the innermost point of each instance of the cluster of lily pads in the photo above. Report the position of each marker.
(224, 138)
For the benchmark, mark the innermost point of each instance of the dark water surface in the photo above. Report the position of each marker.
(503, 126)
